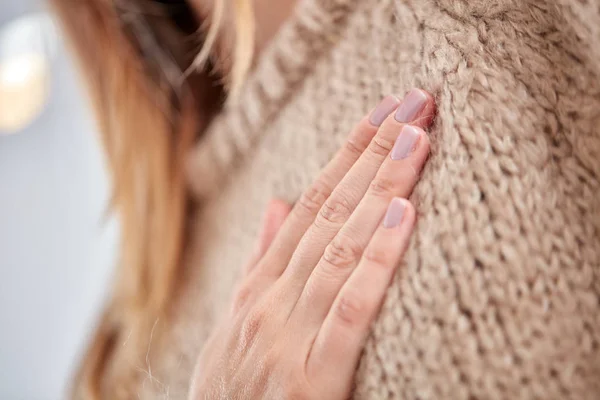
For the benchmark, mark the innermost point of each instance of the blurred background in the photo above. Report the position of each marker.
(57, 247)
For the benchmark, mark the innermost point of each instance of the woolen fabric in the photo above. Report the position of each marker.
(498, 296)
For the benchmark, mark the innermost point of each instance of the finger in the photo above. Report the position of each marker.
(338, 345)
(307, 207)
(396, 178)
(277, 257)
(417, 106)
(247, 288)
(274, 217)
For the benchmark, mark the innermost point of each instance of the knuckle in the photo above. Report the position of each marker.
(383, 186)
(313, 198)
(378, 257)
(241, 297)
(353, 148)
(380, 146)
(336, 211)
(252, 325)
(342, 253)
(350, 310)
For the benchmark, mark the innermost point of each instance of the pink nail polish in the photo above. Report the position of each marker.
(381, 112)
(411, 106)
(394, 214)
(405, 143)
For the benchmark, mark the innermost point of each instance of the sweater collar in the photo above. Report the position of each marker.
(292, 55)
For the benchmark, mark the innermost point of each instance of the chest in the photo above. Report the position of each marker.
(482, 238)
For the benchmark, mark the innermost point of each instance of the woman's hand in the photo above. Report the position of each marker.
(305, 305)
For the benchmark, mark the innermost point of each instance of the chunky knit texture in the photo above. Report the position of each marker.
(499, 294)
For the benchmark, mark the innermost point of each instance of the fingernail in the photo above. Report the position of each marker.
(405, 143)
(381, 112)
(411, 106)
(394, 214)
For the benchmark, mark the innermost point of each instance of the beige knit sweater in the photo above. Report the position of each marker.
(499, 297)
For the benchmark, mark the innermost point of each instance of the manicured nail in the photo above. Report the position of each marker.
(405, 143)
(394, 214)
(411, 106)
(381, 112)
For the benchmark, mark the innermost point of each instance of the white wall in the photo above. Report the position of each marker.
(56, 253)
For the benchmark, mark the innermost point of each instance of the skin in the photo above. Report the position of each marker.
(309, 295)
(268, 16)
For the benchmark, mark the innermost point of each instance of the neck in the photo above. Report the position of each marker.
(268, 16)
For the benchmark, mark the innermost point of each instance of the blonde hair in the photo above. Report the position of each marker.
(152, 97)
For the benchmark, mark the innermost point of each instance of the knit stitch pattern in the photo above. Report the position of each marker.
(499, 294)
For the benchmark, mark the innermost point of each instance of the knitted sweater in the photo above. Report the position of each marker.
(498, 296)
